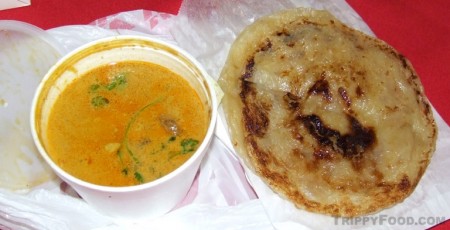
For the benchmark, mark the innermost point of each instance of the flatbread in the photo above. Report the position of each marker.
(331, 119)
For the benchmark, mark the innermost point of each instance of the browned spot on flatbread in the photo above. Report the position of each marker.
(323, 154)
(255, 114)
(248, 69)
(345, 96)
(404, 184)
(359, 91)
(256, 119)
(292, 101)
(261, 156)
(350, 145)
(321, 87)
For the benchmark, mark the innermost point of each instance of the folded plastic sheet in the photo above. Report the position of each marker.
(10, 4)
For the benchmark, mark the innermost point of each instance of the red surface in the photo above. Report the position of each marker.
(418, 29)
(48, 14)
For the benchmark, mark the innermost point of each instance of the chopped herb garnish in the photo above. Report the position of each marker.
(125, 171)
(116, 81)
(99, 101)
(139, 177)
(125, 145)
(188, 145)
(172, 138)
(94, 87)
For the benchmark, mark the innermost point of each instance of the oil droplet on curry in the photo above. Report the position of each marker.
(126, 123)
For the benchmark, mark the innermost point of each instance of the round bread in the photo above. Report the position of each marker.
(333, 120)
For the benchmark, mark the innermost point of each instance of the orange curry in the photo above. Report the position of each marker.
(125, 123)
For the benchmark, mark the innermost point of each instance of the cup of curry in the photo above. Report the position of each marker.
(126, 121)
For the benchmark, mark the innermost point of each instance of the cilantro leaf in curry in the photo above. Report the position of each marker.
(99, 101)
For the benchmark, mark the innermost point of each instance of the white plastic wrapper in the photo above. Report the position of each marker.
(225, 194)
